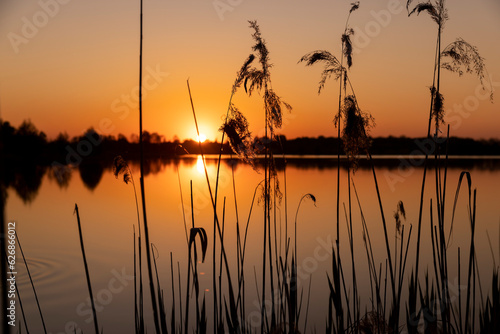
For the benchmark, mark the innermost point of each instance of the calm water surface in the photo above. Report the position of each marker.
(48, 231)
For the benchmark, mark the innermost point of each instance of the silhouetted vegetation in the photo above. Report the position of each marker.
(27, 145)
(29, 155)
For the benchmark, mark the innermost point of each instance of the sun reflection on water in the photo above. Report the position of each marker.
(199, 165)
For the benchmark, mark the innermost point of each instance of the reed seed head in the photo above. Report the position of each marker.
(436, 10)
(357, 124)
(347, 46)
(437, 107)
(461, 57)
(332, 65)
(240, 138)
(120, 167)
(354, 6)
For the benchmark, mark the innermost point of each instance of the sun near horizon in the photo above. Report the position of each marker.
(67, 75)
(201, 138)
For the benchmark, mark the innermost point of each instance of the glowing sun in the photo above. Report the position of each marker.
(201, 138)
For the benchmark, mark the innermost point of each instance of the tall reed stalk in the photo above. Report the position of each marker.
(354, 137)
(462, 57)
(336, 67)
(32, 285)
(87, 275)
(143, 194)
(121, 168)
(236, 127)
(237, 130)
(232, 300)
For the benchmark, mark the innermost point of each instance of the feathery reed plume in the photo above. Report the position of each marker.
(346, 41)
(243, 72)
(400, 212)
(240, 138)
(274, 102)
(465, 58)
(120, 167)
(336, 68)
(357, 124)
(437, 107)
(332, 65)
(461, 57)
(260, 79)
(436, 10)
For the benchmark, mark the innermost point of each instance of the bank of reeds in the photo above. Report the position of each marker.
(283, 306)
(459, 57)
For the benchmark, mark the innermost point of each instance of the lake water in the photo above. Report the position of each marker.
(47, 228)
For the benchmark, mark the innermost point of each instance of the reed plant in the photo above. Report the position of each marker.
(458, 57)
(217, 225)
(32, 286)
(122, 169)
(152, 290)
(280, 256)
(236, 128)
(336, 68)
(355, 125)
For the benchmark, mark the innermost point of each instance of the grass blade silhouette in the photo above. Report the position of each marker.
(32, 285)
(141, 180)
(89, 285)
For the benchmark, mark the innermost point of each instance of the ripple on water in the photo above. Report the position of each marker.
(56, 277)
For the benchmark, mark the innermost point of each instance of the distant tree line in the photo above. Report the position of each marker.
(26, 155)
(26, 144)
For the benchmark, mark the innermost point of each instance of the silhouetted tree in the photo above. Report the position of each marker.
(91, 174)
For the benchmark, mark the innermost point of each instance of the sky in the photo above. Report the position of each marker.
(68, 65)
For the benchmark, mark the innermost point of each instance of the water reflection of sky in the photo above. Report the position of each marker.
(47, 227)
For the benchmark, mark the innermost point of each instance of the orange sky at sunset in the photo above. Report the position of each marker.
(71, 64)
